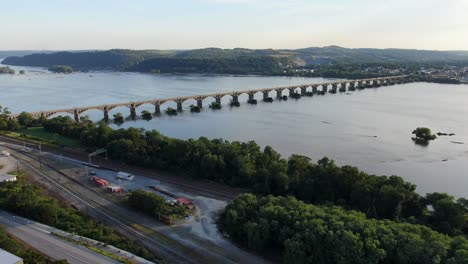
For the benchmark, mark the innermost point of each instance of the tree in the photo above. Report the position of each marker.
(424, 133)
(25, 119)
(118, 118)
(145, 114)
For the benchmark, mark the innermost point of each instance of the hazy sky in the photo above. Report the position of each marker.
(183, 24)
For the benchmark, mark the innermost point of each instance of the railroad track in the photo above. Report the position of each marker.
(171, 253)
(198, 186)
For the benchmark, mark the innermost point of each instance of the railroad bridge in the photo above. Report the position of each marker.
(322, 88)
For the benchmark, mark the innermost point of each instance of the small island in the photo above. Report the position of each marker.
(423, 135)
(194, 109)
(118, 118)
(171, 111)
(61, 69)
(6, 70)
(146, 115)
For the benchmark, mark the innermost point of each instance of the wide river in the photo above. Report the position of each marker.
(370, 129)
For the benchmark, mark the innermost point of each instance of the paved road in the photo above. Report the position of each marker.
(39, 237)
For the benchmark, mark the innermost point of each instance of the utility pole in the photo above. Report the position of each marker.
(17, 167)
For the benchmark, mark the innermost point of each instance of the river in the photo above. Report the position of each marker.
(370, 129)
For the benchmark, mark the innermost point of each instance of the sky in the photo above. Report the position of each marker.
(189, 24)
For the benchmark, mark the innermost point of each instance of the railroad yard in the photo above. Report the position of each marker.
(195, 239)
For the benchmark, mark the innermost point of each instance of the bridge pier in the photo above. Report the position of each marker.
(314, 89)
(200, 102)
(179, 105)
(251, 96)
(292, 91)
(334, 88)
(343, 87)
(265, 94)
(324, 88)
(106, 114)
(362, 85)
(279, 94)
(157, 108)
(235, 98)
(352, 86)
(76, 115)
(133, 111)
(303, 90)
(218, 99)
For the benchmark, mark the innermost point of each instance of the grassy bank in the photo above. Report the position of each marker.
(40, 135)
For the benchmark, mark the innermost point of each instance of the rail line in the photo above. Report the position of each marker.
(170, 253)
(199, 186)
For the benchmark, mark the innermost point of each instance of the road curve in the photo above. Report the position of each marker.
(39, 237)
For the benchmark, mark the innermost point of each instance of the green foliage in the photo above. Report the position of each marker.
(6, 70)
(424, 133)
(304, 233)
(170, 111)
(61, 69)
(237, 65)
(25, 119)
(194, 109)
(266, 172)
(118, 118)
(5, 122)
(26, 200)
(146, 115)
(215, 105)
(88, 60)
(155, 205)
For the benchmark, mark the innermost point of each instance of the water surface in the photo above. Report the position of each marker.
(370, 129)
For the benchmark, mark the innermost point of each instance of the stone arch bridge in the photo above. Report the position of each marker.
(328, 87)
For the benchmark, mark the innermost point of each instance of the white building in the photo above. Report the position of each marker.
(7, 178)
(8, 258)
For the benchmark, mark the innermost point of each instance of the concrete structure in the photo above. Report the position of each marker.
(106, 108)
(8, 258)
(7, 178)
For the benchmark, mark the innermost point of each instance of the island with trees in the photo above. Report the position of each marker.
(6, 70)
(61, 69)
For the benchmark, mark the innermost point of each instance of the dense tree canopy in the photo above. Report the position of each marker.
(304, 233)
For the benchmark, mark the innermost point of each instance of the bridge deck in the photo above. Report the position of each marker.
(202, 96)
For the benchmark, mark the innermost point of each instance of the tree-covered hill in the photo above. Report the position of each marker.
(229, 60)
(224, 65)
(88, 60)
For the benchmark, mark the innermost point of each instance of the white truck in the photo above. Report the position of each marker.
(125, 176)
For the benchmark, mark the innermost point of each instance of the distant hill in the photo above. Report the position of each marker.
(87, 60)
(216, 60)
(9, 53)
